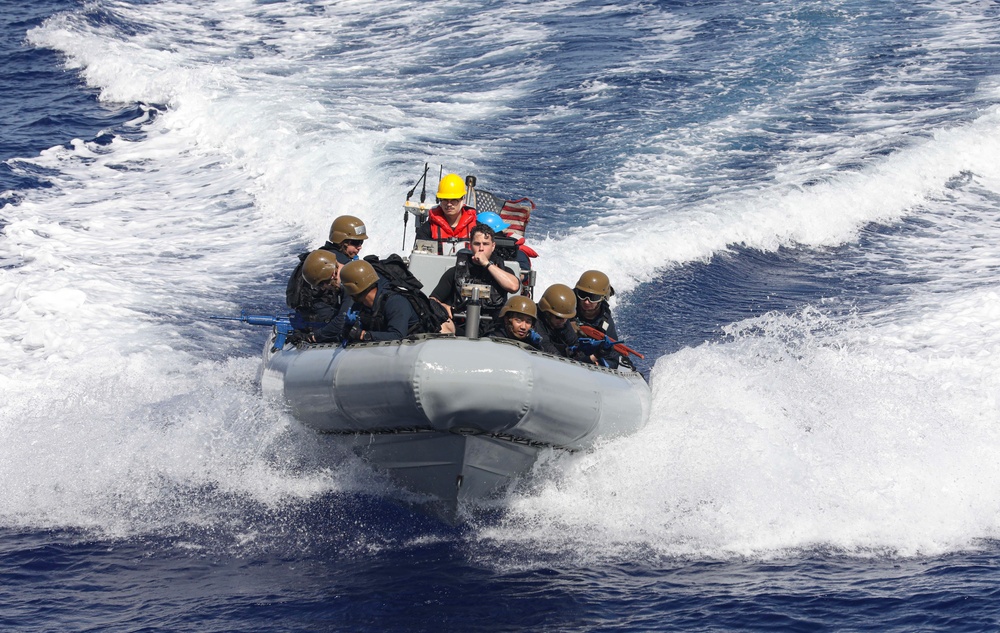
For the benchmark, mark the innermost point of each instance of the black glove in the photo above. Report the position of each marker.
(354, 334)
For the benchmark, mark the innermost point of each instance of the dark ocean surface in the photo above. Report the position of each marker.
(798, 203)
(44, 103)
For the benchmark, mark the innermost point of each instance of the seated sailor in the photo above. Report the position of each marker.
(592, 292)
(451, 221)
(480, 268)
(517, 319)
(321, 308)
(558, 308)
(347, 235)
(380, 314)
(522, 253)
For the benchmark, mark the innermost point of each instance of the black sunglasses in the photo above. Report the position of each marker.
(589, 296)
(354, 243)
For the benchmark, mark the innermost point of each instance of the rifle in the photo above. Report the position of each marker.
(621, 348)
(283, 326)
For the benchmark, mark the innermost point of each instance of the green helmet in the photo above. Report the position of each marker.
(358, 277)
(318, 267)
(520, 305)
(347, 227)
(559, 301)
(595, 282)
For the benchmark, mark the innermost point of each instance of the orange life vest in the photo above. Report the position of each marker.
(442, 230)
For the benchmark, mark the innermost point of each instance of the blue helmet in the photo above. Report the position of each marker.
(492, 220)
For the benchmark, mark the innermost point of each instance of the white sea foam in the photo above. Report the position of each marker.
(798, 433)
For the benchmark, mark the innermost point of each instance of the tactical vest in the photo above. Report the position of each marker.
(492, 303)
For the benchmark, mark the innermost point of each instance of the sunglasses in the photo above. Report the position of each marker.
(589, 296)
(354, 243)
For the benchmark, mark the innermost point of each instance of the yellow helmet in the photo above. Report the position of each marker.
(347, 227)
(451, 187)
(558, 301)
(595, 282)
(358, 277)
(521, 305)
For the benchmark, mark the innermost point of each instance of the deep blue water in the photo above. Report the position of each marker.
(51, 105)
(799, 202)
(327, 584)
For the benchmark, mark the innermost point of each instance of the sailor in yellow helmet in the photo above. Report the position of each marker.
(451, 220)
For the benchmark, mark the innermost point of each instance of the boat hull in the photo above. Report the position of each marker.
(451, 417)
(447, 466)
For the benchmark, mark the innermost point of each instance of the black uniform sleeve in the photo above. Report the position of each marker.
(546, 345)
(321, 311)
(446, 287)
(399, 315)
(333, 330)
(571, 337)
(496, 330)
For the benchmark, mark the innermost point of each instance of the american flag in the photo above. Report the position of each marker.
(514, 212)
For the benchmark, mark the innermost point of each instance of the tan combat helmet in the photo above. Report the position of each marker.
(595, 282)
(318, 267)
(558, 301)
(347, 227)
(358, 277)
(521, 305)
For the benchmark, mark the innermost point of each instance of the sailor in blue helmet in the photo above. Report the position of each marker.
(493, 221)
(500, 227)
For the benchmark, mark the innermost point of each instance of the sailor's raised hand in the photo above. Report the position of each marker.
(481, 258)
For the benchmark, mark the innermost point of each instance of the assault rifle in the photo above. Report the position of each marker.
(607, 342)
(283, 325)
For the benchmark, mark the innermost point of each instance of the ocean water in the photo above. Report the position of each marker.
(798, 203)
